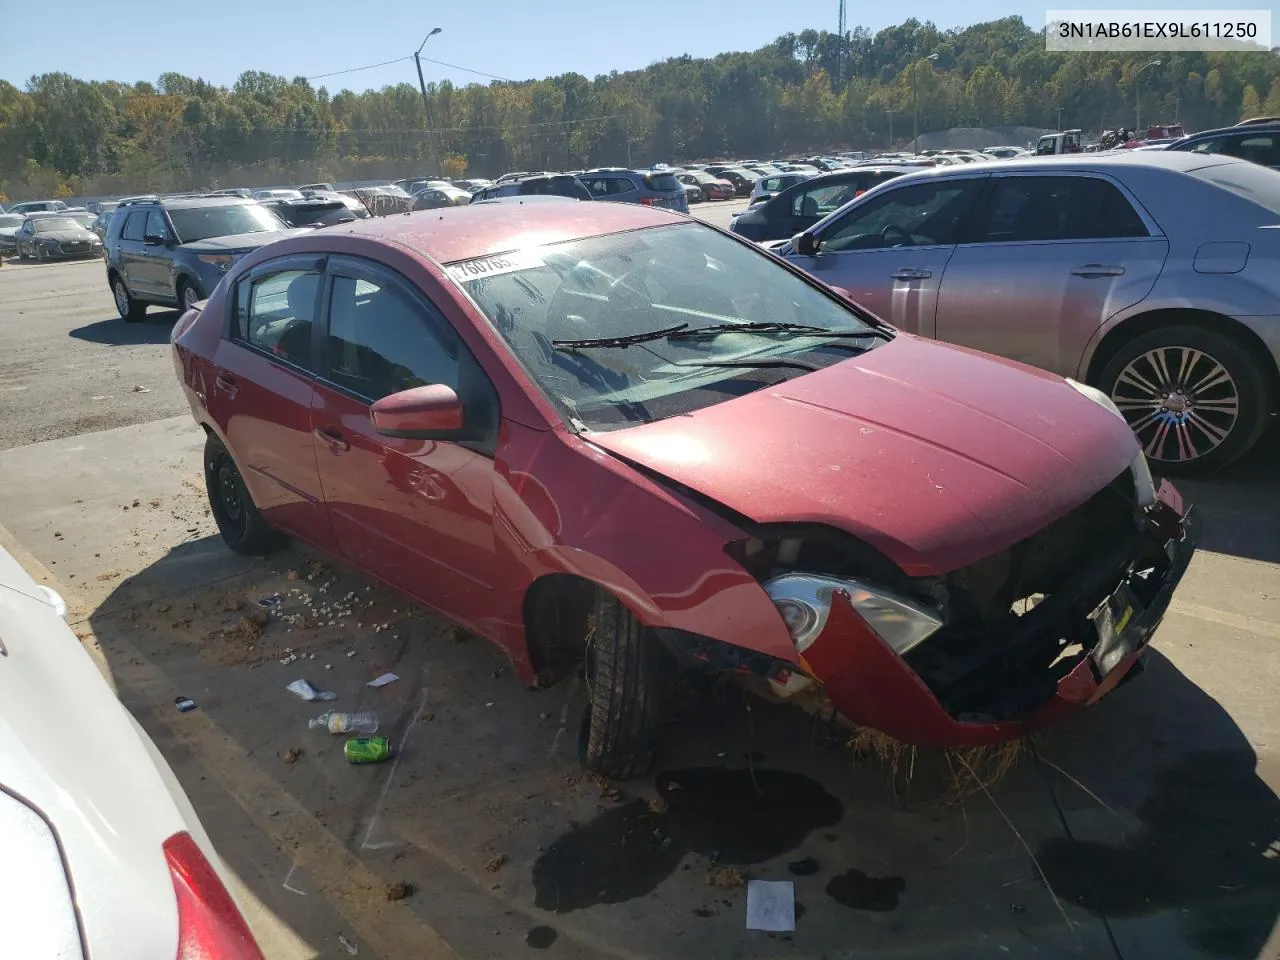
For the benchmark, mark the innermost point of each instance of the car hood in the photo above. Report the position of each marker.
(242, 241)
(70, 753)
(67, 236)
(936, 455)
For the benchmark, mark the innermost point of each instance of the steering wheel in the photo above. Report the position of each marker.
(892, 231)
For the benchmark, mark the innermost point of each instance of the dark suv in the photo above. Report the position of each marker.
(1258, 141)
(653, 188)
(174, 251)
(539, 185)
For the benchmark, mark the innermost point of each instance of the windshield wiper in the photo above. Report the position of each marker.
(771, 326)
(618, 341)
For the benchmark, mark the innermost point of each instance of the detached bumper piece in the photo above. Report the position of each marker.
(1027, 670)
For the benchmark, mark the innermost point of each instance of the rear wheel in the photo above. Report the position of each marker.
(130, 310)
(1195, 398)
(242, 526)
(629, 679)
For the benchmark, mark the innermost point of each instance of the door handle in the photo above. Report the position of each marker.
(911, 273)
(333, 438)
(226, 384)
(1092, 270)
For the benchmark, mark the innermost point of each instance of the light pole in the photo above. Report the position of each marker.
(1059, 119)
(915, 102)
(422, 85)
(890, 113)
(1137, 96)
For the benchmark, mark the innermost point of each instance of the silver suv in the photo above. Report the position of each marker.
(653, 188)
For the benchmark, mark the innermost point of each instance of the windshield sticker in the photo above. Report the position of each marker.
(493, 266)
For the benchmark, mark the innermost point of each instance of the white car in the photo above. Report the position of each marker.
(101, 854)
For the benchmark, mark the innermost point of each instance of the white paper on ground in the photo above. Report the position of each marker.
(771, 905)
(307, 692)
(383, 680)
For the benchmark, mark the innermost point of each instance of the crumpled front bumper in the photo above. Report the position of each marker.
(872, 686)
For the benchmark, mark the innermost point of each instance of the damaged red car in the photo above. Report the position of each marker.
(610, 437)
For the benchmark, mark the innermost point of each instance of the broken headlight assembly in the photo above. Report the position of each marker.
(804, 603)
(1144, 487)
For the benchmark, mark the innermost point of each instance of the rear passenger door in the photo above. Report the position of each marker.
(264, 389)
(1050, 258)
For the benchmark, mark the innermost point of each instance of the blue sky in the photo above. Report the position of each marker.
(512, 39)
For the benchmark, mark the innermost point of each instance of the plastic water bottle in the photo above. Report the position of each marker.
(336, 722)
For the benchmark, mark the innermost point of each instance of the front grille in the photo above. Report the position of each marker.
(1011, 616)
(77, 247)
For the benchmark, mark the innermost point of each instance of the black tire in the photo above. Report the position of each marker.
(187, 289)
(630, 675)
(242, 526)
(1201, 396)
(40, 257)
(130, 309)
(22, 253)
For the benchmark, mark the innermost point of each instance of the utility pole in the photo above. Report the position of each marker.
(1137, 96)
(890, 113)
(422, 85)
(1059, 119)
(626, 132)
(915, 100)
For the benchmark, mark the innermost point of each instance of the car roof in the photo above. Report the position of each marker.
(1239, 130)
(1177, 162)
(184, 203)
(480, 229)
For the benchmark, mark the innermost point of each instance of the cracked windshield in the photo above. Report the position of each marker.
(789, 480)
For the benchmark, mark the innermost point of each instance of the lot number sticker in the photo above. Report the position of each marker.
(493, 266)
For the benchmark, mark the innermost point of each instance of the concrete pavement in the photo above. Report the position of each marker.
(1185, 760)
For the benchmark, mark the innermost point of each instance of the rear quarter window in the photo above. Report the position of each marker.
(664, 182)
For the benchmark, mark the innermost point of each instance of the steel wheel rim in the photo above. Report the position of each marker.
(229, 494)
(1180, 402)
(122, 299)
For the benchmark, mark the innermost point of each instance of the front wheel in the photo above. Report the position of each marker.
(629, 679)
(188, 296)
(242, 526)
(1195, 398)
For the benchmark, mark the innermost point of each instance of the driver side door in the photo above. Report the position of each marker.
(890, 251)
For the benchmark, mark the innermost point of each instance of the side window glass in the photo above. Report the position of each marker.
(133, 228)
(276, 312)
(156, 227)
(1208, 146)
(1059, 208)
(379, 342)
(820, 201)
(597, 186)
(922, 214)
(1262, 150)
(619, 185)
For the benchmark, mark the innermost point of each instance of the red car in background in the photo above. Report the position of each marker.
(713, 188)
(608, 435)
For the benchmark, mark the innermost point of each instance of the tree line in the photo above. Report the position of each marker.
(803, 92)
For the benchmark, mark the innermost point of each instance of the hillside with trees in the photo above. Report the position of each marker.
(803, 92)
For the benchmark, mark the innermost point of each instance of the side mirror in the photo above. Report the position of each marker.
(153, 240)
(433, 412)
(805, 244)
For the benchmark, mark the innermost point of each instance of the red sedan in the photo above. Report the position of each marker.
(609, 435)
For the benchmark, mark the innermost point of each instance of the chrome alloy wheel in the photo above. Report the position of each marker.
(1180, 402)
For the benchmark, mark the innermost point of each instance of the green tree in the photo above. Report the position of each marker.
(1250, 104)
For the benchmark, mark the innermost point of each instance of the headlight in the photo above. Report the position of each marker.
(222, 261)
(804, 602)
(1144, 487)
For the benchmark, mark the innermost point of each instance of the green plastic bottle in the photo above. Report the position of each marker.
(367, 750)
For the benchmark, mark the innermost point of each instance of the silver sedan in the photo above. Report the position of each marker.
(1153, 276)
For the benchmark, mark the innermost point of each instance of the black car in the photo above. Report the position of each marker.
(544, 185)
(799, 207)
(174, 251)
(743, 180)
(311, 212)
(55, 237)
(1257, 142)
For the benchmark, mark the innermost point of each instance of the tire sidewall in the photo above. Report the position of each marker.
(1251, 384)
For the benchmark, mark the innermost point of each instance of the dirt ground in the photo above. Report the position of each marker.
(483, 838)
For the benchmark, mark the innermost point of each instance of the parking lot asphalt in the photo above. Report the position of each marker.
(1169, 788)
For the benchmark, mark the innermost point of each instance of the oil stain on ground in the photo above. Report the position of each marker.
(855, 889)
(735, 817)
